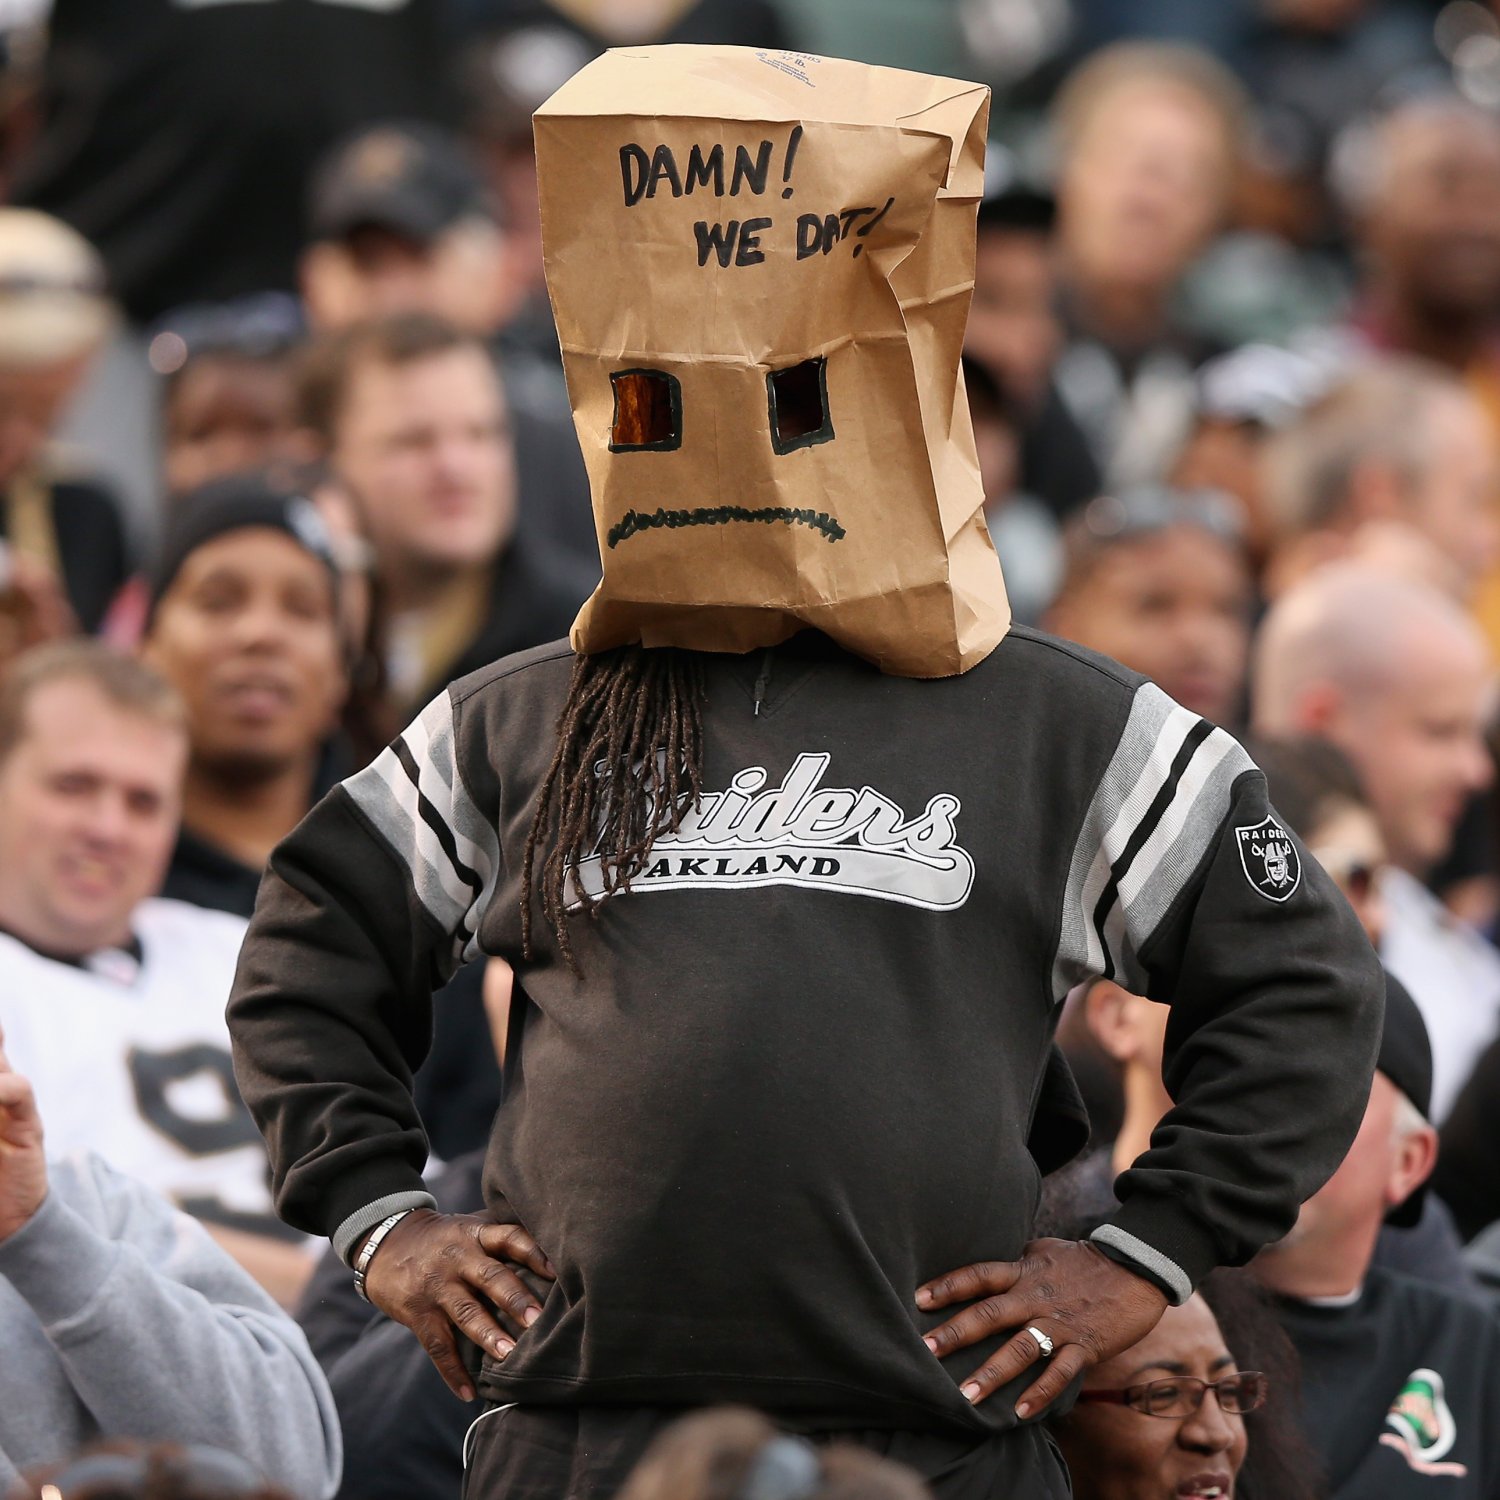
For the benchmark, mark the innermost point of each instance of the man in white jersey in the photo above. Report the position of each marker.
(112, 1001)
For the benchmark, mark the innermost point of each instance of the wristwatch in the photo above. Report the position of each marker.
(370, 1246)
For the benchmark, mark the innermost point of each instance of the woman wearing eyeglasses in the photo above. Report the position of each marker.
(1165, 1419)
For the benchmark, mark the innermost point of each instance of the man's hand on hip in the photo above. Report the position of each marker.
(440, 1272)
(23, 1167)
(1087, 1305)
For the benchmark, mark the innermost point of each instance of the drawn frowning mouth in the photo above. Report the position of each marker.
(633, 522)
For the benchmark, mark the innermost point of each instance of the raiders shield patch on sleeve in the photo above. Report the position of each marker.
(1269, 859)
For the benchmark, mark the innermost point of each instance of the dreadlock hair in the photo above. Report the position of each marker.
(628, 765)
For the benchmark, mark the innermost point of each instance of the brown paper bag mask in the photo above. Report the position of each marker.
(760, 265)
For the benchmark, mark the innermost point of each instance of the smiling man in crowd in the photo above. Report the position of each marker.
(413, 421)
(112, 1001)
(245, 625)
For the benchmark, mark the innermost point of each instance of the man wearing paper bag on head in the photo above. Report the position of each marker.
(795, 852)
(760, 266)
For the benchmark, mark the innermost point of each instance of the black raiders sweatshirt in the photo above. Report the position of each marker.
(796, 1077)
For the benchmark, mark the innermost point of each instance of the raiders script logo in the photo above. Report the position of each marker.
(1269, 859)
(805, 834)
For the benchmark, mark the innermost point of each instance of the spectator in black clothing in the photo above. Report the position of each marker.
(414, 425)
(244, 623)
(403, 223)
(64, 533)
(1401, 1377)
(1148, 139)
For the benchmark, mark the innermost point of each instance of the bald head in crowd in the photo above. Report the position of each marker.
(1396, 675)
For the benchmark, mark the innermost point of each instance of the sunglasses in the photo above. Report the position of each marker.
(1354, 874)
(207, 1472)
(1142, 509)
(1182, 1395)
(260, 325)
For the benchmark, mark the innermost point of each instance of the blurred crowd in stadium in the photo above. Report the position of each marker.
(285, 448)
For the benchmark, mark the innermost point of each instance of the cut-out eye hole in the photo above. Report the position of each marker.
(799, 405)
(648, 412)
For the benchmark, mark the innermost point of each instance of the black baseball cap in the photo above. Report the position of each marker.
(412, 179)
(1406, 1060)
(1018, 207)
(241, 502)
(1014, 198)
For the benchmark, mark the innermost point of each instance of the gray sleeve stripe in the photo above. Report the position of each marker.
(1153, 733)
(386, 795)
(363, 1220)
(1137, 779)
(431, 743)
(1168, 859)
(1144, 1255)
(1171, 741)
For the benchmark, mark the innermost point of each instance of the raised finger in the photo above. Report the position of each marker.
(471, 1317)
(507, 1291)
(1070, 1360)
(983, 1279)
(513, 1242)
(979, 1321)
(1011, 1359)
(435, 1334)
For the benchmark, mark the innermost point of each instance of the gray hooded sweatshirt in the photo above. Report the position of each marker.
(120, 1317)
